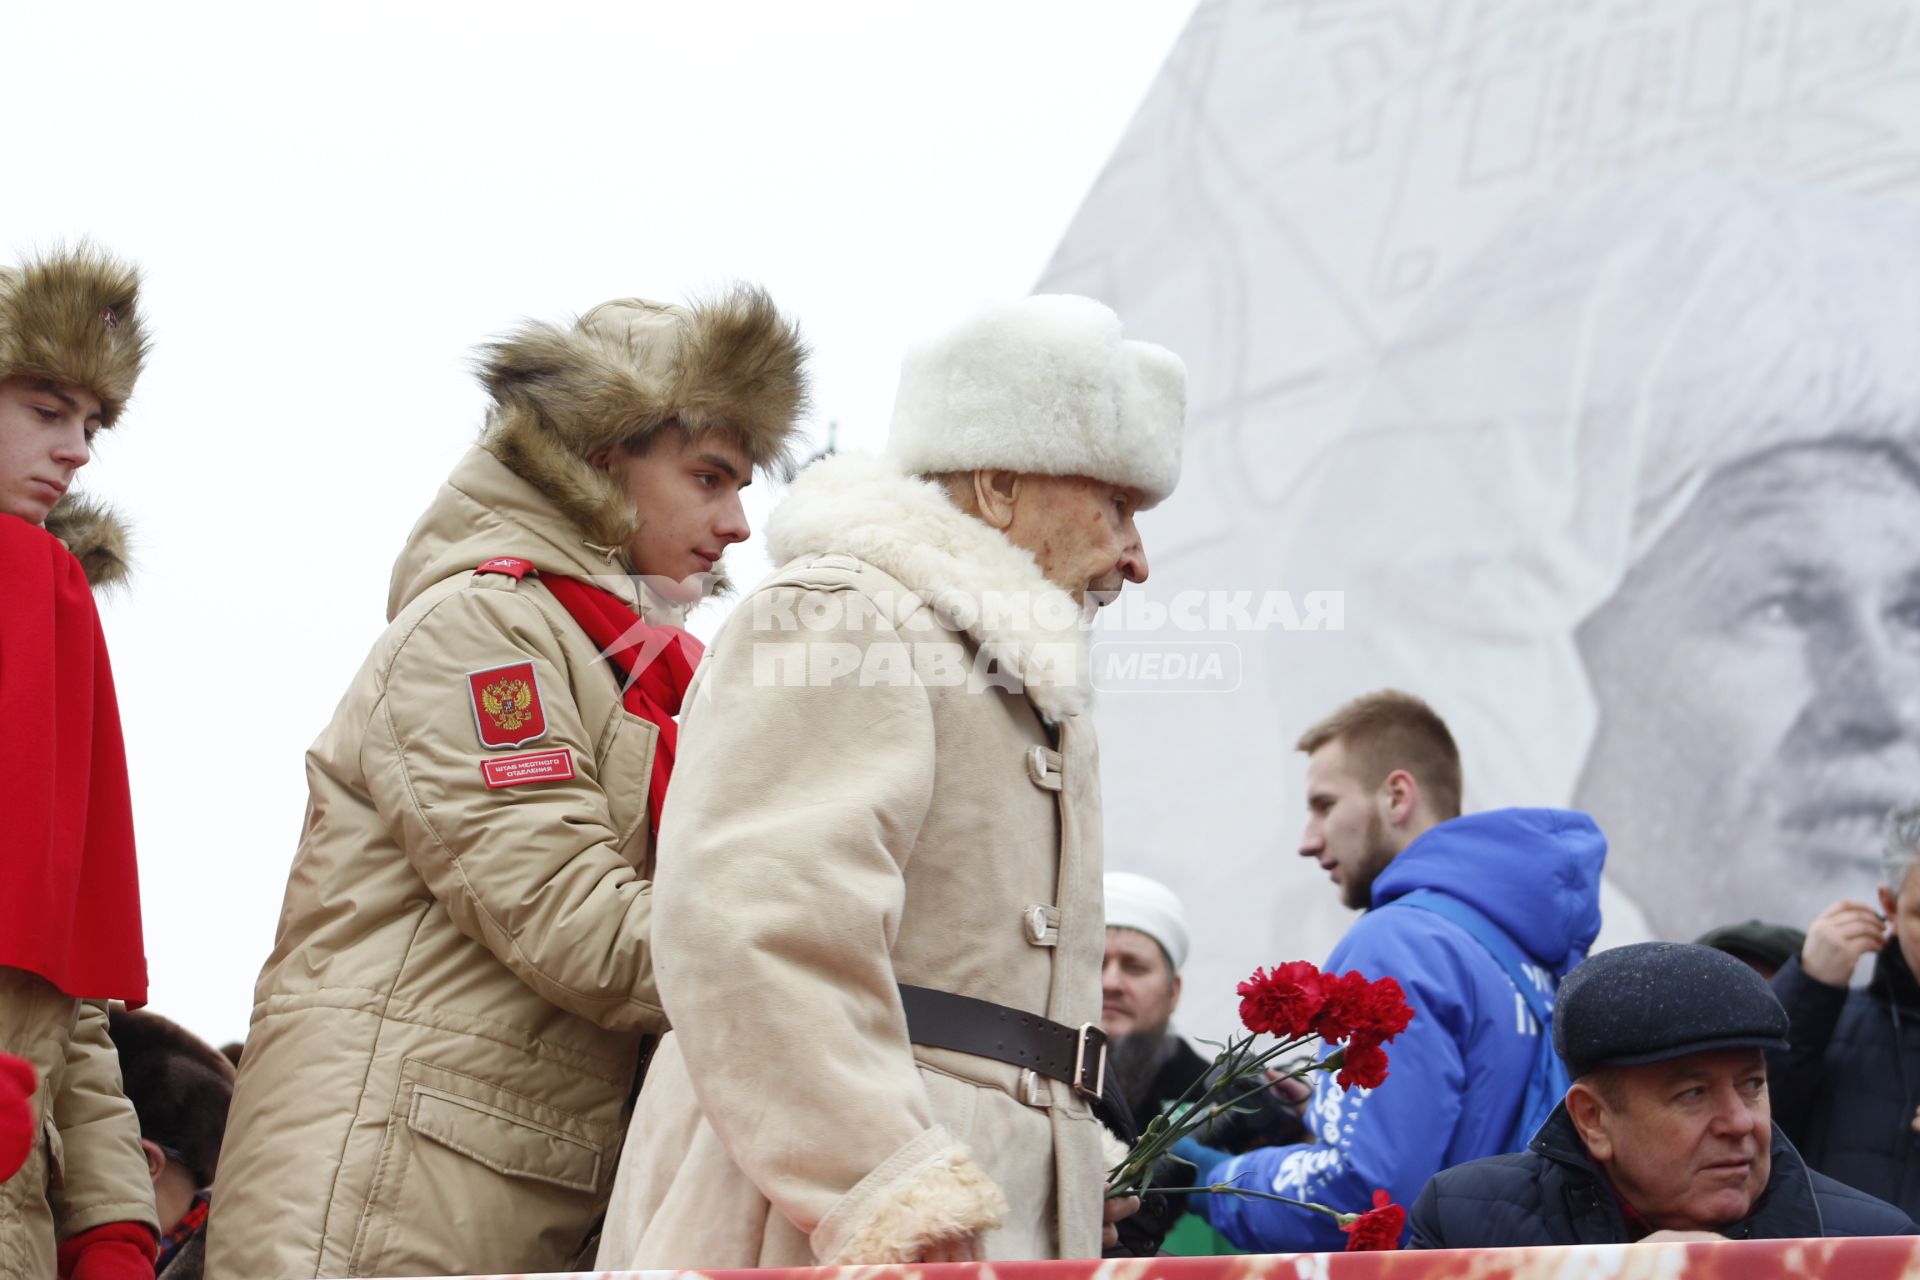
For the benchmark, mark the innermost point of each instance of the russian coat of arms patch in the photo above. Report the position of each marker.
(506, 705)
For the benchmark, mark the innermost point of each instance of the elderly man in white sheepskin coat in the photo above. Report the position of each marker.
(878, 920)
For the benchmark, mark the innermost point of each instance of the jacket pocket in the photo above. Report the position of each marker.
(501, 1141)
(474, 1178)
(625, 759)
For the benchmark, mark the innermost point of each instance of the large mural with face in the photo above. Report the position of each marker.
(1558, 362)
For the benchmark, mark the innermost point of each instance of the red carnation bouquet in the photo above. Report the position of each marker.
(1295, 1004)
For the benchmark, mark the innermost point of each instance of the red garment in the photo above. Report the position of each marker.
(19, 1123)
(69, 889)
(656, 660)
(113, 1251)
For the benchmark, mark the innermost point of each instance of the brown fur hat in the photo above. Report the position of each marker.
(631, 368)
(95, 535)
(73, 317)
(180, 1086)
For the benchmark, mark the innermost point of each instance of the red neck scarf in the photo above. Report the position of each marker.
(655, 662)
(69, 888)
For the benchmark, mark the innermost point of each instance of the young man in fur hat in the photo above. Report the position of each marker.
(446, 1036)
(180, 1087)
(879, 925)
(71, 347)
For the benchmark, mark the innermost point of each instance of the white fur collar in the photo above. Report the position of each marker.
(869, 508)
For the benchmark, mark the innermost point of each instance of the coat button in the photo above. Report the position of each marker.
(1043, 766)
(1036, 924)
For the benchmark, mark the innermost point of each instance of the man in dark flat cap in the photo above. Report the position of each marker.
(1665, 1133)
(1762, 947)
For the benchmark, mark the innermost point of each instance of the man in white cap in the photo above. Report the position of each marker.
(1147, 941)
(1140, 989)
(878, 925)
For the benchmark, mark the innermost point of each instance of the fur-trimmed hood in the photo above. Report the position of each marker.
(95, 534)
(628, 369)
(73, 317)
(870, 508)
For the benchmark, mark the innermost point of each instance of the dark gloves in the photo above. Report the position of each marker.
(1142, 1234)
(18, 1130)
(1261, 1119)
(115, 1251)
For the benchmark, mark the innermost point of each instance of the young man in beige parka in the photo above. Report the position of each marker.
(880, 868)
(446, 1036)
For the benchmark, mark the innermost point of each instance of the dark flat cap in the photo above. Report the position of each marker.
(1655, 1001)
(1756, 942)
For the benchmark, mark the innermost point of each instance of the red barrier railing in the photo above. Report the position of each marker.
(1885, 1258)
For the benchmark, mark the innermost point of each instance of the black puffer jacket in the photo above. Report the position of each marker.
(1551, 1193)
(1170, 1083)
(1845, 1091)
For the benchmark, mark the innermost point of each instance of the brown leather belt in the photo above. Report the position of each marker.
(942, 1020)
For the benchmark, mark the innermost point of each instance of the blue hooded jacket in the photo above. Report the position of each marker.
(1457, 1074)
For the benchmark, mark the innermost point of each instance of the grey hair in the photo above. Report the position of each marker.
(1902, 847)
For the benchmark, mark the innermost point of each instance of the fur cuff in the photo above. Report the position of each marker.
(950, 1198)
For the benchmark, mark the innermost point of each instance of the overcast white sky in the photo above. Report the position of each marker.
(333, 204)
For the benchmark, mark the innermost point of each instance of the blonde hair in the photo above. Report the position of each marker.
(1391, 730)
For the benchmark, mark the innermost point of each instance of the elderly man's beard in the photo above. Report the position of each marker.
(1136, 1059)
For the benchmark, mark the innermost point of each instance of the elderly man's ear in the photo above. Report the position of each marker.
(994, 496)
(1587, 1110)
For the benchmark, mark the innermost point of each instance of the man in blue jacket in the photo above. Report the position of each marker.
(1477, 917)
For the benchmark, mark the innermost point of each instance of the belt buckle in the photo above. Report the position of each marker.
(1089, 1060)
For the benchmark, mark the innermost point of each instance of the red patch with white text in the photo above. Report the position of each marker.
(512, 566)
(506, 705)
(528, 766)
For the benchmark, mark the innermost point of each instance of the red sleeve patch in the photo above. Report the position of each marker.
(511, 565)
(506, 705)
(528, 766)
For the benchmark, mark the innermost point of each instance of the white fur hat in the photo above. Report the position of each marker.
(1045, 384)
(1146, 906)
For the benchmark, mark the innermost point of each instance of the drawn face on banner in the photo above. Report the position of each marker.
(1758, 679)
(1474, 371)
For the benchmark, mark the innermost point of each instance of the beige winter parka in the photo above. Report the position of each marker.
(446, 1036)
(839, 825)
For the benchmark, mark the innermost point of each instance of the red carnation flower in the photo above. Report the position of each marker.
(1376, 1011)
(1346, 998)
(1386, 1012)
(1377, 1228)
(1365, 1064)
(1282, 1003)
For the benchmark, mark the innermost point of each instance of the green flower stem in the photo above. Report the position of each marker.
(1227, 1189)
(1162, 1132)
